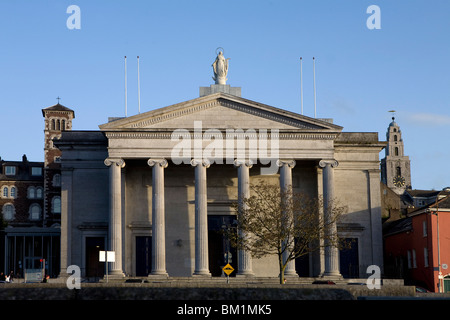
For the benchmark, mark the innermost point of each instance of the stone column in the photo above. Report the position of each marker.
(331, 252)
(158, 218)
(244, 257)
(115, 215)
(66, 220)
(286, 186)
(201, 218)
(374, 195)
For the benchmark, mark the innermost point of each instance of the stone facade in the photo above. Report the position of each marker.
(155, 187)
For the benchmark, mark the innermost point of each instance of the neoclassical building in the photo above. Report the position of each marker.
(157, 187)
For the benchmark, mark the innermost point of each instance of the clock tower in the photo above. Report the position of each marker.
(395, 166)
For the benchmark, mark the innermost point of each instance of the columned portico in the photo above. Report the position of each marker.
(244, 257)
(331, 251)
(286, 167)
(219, 121)
(201, 218)
(115, 214)
(158, 218)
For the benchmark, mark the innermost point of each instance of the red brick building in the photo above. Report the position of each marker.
(30, 203)
(417, 248)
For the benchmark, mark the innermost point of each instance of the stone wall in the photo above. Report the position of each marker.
(196, 291)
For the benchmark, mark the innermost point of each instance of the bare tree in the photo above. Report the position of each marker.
(288, 224)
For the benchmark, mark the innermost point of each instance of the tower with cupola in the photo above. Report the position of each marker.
(395, 166)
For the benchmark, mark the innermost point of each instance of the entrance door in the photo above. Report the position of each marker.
(220, 250)
(143, 256)
(94, 268)
(446, 284)
(349, 261)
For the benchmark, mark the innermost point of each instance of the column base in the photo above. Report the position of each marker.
(114, 275)
(158, 275)
(199, 274)
(247, 274)
(291, 275)
(331, 276)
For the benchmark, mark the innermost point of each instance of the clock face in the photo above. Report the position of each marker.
(399, 181)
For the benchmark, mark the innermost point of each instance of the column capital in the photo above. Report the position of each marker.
(117, 161)
(247, 163)
(204, 162)
(333, 163)
(290, 163)
(161, 162)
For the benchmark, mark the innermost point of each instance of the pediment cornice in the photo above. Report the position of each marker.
(155, 117)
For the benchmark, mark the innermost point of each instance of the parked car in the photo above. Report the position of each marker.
(422, 290)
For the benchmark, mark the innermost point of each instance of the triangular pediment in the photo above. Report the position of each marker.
(219, 111)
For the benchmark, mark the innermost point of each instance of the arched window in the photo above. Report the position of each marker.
(57, 180)
(53, 125)
(396, 151)
(8, 212)
(35, 212)
(56, 205)
(63, 125)
(395, 137)
(13, 192)
(31, 193)
(5, 192)
(58, 125)
(39, 193)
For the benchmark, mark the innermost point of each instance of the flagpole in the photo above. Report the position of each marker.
(139, 87)
(125, 86)
(301, 84)
(314, 67)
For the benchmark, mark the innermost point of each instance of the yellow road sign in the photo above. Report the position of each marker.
(228, 269)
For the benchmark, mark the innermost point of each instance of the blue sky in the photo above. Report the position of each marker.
(361, 74)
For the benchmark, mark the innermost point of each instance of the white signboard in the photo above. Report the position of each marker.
(34, 275)
(109, 255)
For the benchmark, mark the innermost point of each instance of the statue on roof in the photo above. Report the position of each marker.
(220, 68)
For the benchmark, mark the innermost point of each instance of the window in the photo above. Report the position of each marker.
(409, 259)
(5, 192)
(31, 193)
(10, 170)
(35, 212)
(39, 193)
(425, 257)
(56, 205)
(57, 180)
(399, 171)
(36, 171)
(395, 137)
(424, 228)
(414, 262)
(13, 193)
(8, 212)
